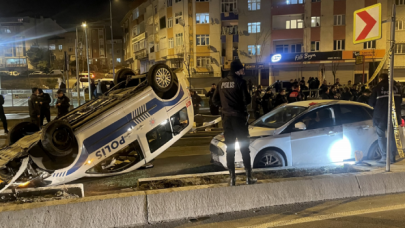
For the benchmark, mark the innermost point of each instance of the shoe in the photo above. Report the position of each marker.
(249, 177)
(232, 177)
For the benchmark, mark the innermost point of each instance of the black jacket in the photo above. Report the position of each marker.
(363, 99)
(33, 106)
(1, 100)
(267, 101)
(323, 89)
(280, 99)
(196, 99)
(232, 95)
(347, 96)
(327, 96)
(46, 100)
(256, 100)
(64, 102)
(379, 101)
(62, 87)
(210, 94)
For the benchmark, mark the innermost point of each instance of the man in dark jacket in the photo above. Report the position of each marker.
(232, 94)
(365, 97)
(196, 102)
(327, 95)
(44, 101)
(3, 115)
(256, 101)
(281, 98)
(62, 104)
(93, 89)
(62, 85)
(214, 110)
(267, 101)
(379, 101)
(34, 107)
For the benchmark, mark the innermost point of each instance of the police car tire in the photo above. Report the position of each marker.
(153, 75)
(54, 134)
(20, 130)
(277, 155)
(121, 75)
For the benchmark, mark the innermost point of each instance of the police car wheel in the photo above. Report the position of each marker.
(58, 139)
(21, 130)
(161, 78)
(122, 75)
(269, 158)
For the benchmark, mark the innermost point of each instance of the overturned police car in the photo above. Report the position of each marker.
(130, 125)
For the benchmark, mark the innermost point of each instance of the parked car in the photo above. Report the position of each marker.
(37, 73)
(307, 133)
(56, 72)
(86, 75)
(112, 135)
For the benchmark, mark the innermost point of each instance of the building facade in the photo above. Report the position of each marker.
(118, 53)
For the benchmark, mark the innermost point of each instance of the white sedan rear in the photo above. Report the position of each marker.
(307, 133)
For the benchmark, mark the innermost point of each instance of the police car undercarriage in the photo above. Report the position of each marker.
(37, 157)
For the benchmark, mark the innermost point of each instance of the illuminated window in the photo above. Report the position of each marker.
(254, 27)
(228, 6)
(294, 24)
(202, 18)
(179, 39)
(291, 2)
(315, 21)
(254, 49)
(253, 5)
(52, 47)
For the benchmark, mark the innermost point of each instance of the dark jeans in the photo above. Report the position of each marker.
(382, 143)
(196, 109)
(236, 128)
(3, 119)
(45, 113)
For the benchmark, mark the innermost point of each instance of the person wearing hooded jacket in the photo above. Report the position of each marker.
(379, 101)
(233, 96)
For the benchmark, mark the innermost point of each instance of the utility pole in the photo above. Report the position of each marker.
(112, 40)
(88, 62)
(77, 68)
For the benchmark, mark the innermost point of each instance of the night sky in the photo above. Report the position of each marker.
(68, 13)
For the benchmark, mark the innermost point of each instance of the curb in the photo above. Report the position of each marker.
(155, 206)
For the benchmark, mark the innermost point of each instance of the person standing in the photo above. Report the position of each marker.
(326, 95)
(3, 115)
(93, 89)
(214, 110)
(365, 97)
(281, 98)
(196, 102)
(62, 85)
(62, 104)
(267, 101)
(99, 91)
(277, 86)
(250, 86)
(44, 101)
(324, 87)
(379, 101)
(346, 95)
(256, 101)
(295, 95)
(232, 94)
(34, 107)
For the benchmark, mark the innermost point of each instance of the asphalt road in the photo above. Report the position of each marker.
(384, 211)
(189, 155)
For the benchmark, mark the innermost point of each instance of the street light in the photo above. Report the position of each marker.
(84, 25)
(112, 40)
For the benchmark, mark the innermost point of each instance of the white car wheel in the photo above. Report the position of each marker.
(269, 159)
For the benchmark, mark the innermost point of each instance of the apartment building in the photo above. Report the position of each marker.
(18, 34)
(118, 52)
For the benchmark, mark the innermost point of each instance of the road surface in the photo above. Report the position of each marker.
(384, 211)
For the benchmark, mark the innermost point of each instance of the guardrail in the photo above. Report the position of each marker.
(19, 98)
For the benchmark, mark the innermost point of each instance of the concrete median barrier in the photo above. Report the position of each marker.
(114, 210)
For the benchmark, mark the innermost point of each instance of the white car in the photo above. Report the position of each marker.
(115, 134)
(307, 133)
(37, 73)
(56, 72)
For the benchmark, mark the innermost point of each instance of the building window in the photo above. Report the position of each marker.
(314, 45)
(369, 44)
(171, 43)
(291, 2)
(202, 18)
(5, 30)
(162, 22)
(254, 49)
(170, 22)
(399, 25)
(203, 61)
(254, 27)
(52, 47)
(203, 40)
(338, 45)
(169, 3)
(282, 48)
(179, 39)
(141, 45)
(228, 6)
(400, 48)
(118, 60)
(294, 24)
(296, 48)
(315, 21)
(176, 1)
(339, 20)
(400, 2)
(135, 13)
(253, 5)
(60, 47)
(177, 17)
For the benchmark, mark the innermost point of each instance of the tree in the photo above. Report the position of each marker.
(38, 57)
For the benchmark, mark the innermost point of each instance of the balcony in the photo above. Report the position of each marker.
(287, 34)
(287, 9)
(143, 54)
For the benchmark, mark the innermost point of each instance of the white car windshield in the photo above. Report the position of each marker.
(279, 116)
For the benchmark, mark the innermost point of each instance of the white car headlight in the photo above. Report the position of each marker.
(237, 146)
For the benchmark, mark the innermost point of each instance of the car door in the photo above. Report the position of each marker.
(357, 127)
(319, 142)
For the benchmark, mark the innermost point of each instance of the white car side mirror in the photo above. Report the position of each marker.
(300, 126)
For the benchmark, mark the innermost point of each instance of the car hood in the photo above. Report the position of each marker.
(260, 131)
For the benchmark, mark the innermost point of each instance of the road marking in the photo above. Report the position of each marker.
(326, 217)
